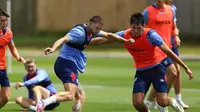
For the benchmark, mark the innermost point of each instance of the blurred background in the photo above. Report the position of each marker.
(31, 17)
(37, 24)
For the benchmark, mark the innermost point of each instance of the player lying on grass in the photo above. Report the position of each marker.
(39, 86)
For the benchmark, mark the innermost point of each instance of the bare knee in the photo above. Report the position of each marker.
(5, 99)
(138, 104)
(163, 101)
(18, 100)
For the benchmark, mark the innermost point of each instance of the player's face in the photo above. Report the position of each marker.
(30, 68)
(160, 3)
(3, 21)
(137, 29)
(95, 28)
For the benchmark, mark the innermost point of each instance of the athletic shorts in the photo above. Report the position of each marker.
(66, 71)
(155, 75)
(4, 81)
(53, 105)
(174, 48)
(167, 62)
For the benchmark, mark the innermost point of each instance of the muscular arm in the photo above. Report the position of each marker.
(113, 37)
(100, 40)
(59, 42)
(173, 56)
(37, 79)
(13, 50)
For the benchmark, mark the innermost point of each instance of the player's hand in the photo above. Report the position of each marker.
(189, 72)
(177, 41)
(20, 59)
(130, 41)
(18, 85)
(48, 50)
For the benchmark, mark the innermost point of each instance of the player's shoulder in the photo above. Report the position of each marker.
(174, 7)
(77, 30)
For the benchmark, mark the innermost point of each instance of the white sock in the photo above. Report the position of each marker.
(148, 103)
(31, 107)
(50, 100)
(178, 97)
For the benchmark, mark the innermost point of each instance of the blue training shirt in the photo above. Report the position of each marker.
(41, 76)
(76, 35)
(153, 37)
(145, 14)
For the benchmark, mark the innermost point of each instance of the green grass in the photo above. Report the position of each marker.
(108, 85)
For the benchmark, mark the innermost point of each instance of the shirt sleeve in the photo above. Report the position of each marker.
(120, 33)
(41, 75)
(154, 38)
(6, 38)
(76, 35)
(174, 9)
(145, 14)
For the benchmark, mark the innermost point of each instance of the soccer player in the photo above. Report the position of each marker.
(72, 59)
(6, 39)
(161, 18)
(149, 54)
(39, 86)
(175, 44)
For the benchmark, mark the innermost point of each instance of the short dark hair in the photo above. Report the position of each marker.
(137, 18)
(29, 60)
(4, 13)
(96, 19)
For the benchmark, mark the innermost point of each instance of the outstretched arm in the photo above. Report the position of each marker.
(56, 45)
(173, 56)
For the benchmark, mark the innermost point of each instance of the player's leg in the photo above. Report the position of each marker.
(141, 85)
(160, 85)
(80, 98)
(67, 72)
(4, 96)
(5, 88)
(177, 82)
(43, 93)
(26, 103)
(40, 92)
(170, 74)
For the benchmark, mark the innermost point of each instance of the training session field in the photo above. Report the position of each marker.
(107, 81)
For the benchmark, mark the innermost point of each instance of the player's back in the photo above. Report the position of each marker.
(6, 37)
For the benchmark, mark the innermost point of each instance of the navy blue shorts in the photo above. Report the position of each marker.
(174, 48)
(155, 75)
(167, 62)
(4, 81)
(66, 71)
(53, 105)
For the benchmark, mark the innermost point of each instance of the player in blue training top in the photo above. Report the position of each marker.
(71, 58)
(39, 86)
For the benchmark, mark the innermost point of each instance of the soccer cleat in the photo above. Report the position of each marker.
(182, 104)
(39, 106)
(147, 103)
(155, 105)
(77, 107)
(176, 106)
(163, 109)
